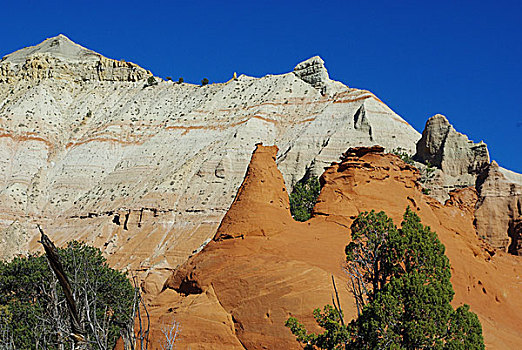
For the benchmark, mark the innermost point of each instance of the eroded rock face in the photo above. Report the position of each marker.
(240, 290)
(452, 152)
(59, 57)
(313, 72)
(147, 173)
(459, 163)
(459, 159)
(499, 210)
(251, 198)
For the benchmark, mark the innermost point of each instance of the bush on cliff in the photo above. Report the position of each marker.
(33, 312)
(303, 198)
(401, 282)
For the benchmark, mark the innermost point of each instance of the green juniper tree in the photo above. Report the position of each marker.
(303, 198)
(401, 282)
(33, 311)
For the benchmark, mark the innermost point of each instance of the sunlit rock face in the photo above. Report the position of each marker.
(458, 163)
(263, 266)
(61, 58)
(92, 151)
(459, 160)
(499, 210)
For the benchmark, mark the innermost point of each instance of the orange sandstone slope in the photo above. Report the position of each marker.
(263, 266)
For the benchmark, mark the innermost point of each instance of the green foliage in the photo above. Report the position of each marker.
(180, 80)
(401, 282)
(402, 154)
(169, 78)
(33, 300)
(303, 198)
(204, 81)
(334, 337)
(370, 256)
(427, 174)
(151, 81)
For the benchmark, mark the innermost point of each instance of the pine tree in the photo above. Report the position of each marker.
(401, 282)
(303, 198)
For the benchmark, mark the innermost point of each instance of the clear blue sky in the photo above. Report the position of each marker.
(462, 59)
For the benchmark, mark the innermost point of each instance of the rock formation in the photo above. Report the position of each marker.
(459, 160)
(314, 73)
(61, 58)
(147, 172)
(460, 163)
(499, 209)
(250, 198)
(239, 290)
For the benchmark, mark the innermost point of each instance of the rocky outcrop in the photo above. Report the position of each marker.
(452, 152)
(60, 58)
(459, 160)
(360, 121)
(499, 210)
(460, 163)
(314, 73)
(77, 143)
(272, 199)
(249, 285)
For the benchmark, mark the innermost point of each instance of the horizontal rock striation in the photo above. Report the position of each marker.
(60, 58)
(77, 144)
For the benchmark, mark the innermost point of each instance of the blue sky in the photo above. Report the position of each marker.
(458, 58)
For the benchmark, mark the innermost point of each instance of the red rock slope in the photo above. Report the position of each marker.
(263, 266)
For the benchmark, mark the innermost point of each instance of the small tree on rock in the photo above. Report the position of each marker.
(151, 81)
(401, 282)
(303, 198)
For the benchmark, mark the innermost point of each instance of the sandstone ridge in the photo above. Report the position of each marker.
(237, 292)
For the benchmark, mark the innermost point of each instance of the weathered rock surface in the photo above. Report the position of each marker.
(459, 163)
(147, 173)
(239, 290)
(314, 73)
(459, 160)
(499, 209)
(60, 58)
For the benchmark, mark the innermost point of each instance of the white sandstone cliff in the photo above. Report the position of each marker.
(147, 173)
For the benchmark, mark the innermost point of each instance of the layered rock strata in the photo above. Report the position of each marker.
(60, 58)
(499, 209)
(314, 73)
(147, 172)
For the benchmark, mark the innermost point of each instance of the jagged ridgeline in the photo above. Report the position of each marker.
(95, 152)
(98, 156)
